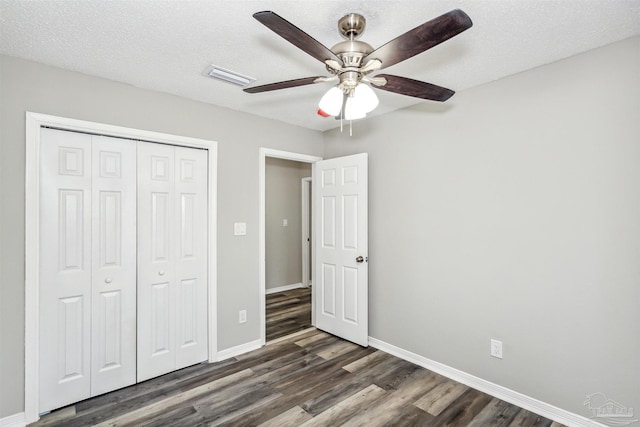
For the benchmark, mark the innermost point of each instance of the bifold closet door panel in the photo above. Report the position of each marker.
(113, 299)
(87, 266)
(156, 258)
(65, 269)
(172, 258)
(191, 256)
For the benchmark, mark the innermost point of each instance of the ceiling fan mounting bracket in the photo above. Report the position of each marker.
(351, 26)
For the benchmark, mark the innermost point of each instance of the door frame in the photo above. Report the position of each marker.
(279, 154)
(306, 229)
(34, 122)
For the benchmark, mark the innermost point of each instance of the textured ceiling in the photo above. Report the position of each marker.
(167, 45)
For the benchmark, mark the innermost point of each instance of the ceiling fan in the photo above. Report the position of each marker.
(351, 62)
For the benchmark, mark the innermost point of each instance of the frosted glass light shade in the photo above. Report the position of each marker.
(331, 102)
(353, 110)
(363, 101)
(366, 98)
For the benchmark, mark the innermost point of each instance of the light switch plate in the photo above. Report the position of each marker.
(240, 228)
(285, 222)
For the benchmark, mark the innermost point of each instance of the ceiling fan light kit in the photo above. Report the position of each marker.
(351, 61)
(359, 102)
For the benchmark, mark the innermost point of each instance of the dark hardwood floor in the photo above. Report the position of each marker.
(288, 312)
(310, 378)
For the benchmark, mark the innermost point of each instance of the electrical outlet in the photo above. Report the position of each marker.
(496, 348)
(242, 316)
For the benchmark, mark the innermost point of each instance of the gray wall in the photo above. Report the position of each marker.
(29, 86)
(513, 212)
(284, 201)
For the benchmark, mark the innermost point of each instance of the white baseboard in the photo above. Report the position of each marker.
(238, 350)
(15, 420)
(530, 404)
(284, 288)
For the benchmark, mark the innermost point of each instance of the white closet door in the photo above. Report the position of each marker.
(156, 249)
(65, 268)
(172, 252)
(191, 256)
(87, 268)
(113, 300)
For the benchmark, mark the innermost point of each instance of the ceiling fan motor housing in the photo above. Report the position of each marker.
(351, 52)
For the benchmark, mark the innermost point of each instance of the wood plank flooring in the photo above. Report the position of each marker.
(309, 378)
(288, 312)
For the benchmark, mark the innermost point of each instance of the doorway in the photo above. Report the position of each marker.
(340, 191)
(278, 225)
(288, 296)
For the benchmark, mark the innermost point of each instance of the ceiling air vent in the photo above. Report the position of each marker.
(228, 76)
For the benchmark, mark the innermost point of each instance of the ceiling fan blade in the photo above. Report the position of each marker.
(295, 36)
(284, 85)
(421, 38)
(415, 88)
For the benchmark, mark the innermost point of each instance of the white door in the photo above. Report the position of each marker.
(191, 256)
(87, 277)
(340, 273)
(113, 274)
(172, 251)
(65, 268)
(156, 311)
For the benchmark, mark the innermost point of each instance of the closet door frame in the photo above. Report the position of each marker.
(34, 122)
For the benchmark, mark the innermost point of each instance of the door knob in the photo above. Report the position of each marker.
(107, 280)
(360, 259)
(161, 272)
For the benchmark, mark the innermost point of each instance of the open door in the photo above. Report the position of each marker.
(340, 271)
